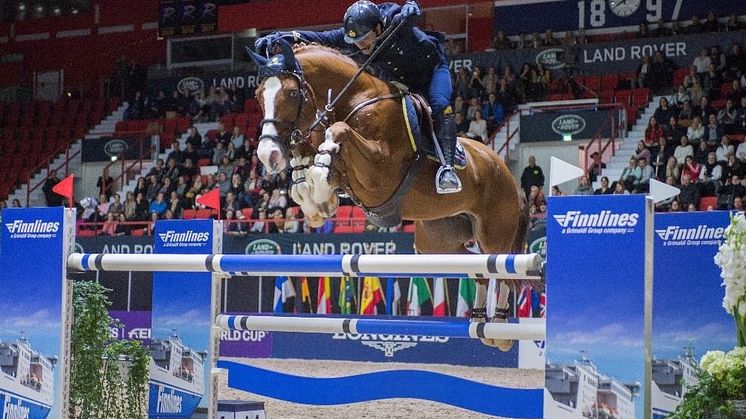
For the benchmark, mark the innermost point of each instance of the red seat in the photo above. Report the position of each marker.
(554, 97)
(344, 229)
(623, 96)
(718, 104)
(641, 97)
(138, 232)
(183, 124)
(606, 96)
(407, 228)
(632, 115)
(609, 82)
(593, 83)
(725, 90)
(358, 219)
(190, 214)
(204, 213)
(247, 212)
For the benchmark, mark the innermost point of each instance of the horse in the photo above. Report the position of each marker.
(363, 147)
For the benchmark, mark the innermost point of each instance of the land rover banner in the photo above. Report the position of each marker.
(105, 148)
(554, 125)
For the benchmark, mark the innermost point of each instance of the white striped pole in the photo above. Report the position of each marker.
(465, 329)
(435, 265)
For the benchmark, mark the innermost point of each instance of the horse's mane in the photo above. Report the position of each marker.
(316, 49)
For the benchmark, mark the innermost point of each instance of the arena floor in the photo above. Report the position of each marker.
(384, 409)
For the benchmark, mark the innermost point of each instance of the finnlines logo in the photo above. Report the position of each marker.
(189, 238)
(39, 229)
(702, 235)
(604, 222)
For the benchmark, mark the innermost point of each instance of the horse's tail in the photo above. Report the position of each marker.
(521, 237)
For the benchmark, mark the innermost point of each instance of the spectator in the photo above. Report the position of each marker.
(740, 125)
(665, 205)
(130, 207)
(729, 191)
(732, 25)
(663, 111)
(259, 224)
(182, 186)
(631, 175)
(711, 82)
(489, 81)
(643, 31)
(105, 184)
(702, 61)
(116, 207)
(52, 198)
(737, 204)
(681, 96)
(175, 205)
(704, 110)
(584, 186)
(659, 160)
(736, 91)
(478, 128)
(732, 167)
(735, 62)
(122, 228)
(710, 175)
(675, 206)
(672, 167)
(672, 130)
(697, 92)
(660, 29)
(218, 154)
(713, 131)
(175, 153)
(474, 106)
(594, 171)
(711, 24)
(691, 168)
(661, 71)
(604, 189)
(233, 225)
(237, 137)
(683, 150)
(691, 76)
(718, 58)
(532, 176)
(647, 173)
(159, 205)
(701, 154)
(505, 94)
(641, 151)
(223, 135)
(689, 191)
(642, 75)
(549, 39)
(459, 107)
(188, 169)
(500, 41)
(141, 207)
(16, 203)
(619, 189)
(476, 88)
(724, 150)
(694, 27)
(462, 125)
(493, 112)
(110, 225)
(277, 200)
(676, 28)
(461, 84)
(696, 132)
(291, 223)
(727, 118)
(172, 170)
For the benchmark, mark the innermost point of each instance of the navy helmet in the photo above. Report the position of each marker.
(361, 18)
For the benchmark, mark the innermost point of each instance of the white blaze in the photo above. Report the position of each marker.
(266, 146)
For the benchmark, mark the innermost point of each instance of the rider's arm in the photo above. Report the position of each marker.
(333, 38)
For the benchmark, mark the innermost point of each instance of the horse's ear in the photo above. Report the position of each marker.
(256, 58)
(288, 55)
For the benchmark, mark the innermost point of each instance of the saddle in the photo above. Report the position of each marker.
(417, 116)
(422, 134)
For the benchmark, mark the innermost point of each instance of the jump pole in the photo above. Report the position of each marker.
(508, 266)
(296, 324)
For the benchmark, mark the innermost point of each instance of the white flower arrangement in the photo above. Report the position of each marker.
(731, 258)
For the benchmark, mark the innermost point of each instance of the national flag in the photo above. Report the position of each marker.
(492, 295)
(440, 300)
(324, 300)
(65, 188)
(535, 302)
(347, 296)
(467, 291)
(524, 302)
(372, 295)
(420, 300)
(305, 296)
(543, 304)
(393, 297)
(284, 291)
(210, 200)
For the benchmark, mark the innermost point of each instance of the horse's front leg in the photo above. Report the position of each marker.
(339, 134)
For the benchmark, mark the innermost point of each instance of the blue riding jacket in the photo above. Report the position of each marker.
(413, 57)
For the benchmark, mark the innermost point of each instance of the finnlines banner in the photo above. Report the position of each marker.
(595, 294)
(31, 315)
(554, 125)
(105, 148)
(179, 370)
(688, 316)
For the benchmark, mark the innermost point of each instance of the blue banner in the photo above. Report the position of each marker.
(595, 287)
(688, 316)
(31, 289)
(181, 322)
(562, 15)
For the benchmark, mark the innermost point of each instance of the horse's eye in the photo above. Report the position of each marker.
(293, 93)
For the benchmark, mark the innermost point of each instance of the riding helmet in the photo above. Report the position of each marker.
(360, 18)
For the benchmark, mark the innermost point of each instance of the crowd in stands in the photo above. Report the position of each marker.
(199, 107)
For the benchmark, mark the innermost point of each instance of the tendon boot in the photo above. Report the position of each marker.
(446, 179)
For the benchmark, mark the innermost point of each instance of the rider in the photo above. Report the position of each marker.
(415, 58)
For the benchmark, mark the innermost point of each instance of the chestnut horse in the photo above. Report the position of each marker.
(367, 153)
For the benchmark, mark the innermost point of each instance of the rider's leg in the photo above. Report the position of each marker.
(447, 180)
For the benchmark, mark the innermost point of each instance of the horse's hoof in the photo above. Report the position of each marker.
(480, 316)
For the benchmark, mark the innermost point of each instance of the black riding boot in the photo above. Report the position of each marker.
(446, 180)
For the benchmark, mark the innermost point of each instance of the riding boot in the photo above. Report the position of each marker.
(446, 179)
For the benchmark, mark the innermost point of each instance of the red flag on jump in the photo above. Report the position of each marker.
(211, 200)
(65, 188)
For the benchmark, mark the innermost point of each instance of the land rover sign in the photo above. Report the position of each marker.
(115, 147)
(552, 58)
(568, 124)
(263, 247)
(188, 86)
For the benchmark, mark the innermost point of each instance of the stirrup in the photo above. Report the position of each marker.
(446, 186)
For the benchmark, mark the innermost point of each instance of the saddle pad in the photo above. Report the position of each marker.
(414, 130)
